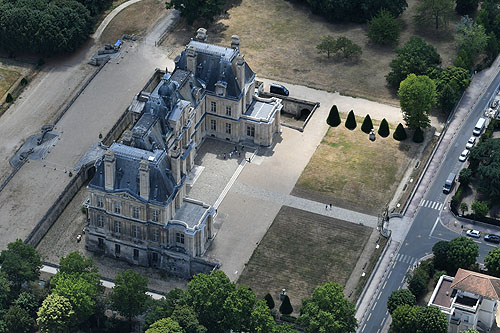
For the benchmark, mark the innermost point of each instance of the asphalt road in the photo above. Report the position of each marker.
(426, 229)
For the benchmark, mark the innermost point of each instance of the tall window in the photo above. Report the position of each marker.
(117, 208)
(135, 231)
(135, 212)
(100, 243)
(155, 216)
(100, 221)
(179, 237)
(156, 235)
(136, 254)
(99, 201)
(117, 227)
(213, 125)
(228, 128)
(117, 249)
(213, 107)
(155, 257)
(251, 130)
(228, 111)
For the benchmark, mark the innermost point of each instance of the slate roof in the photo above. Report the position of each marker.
(161, 182)
(477, 283)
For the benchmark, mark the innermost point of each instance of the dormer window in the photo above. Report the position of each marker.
(220, 88)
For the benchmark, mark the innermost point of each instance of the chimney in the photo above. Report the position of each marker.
(109, 170)
(240, 71)
(191, 59)
(201, 35)
(235, 42)
(144, 179)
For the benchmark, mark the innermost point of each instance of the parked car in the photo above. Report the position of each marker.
(473, 233)
(463, 156)
(279, 89)
(492, 238)
(471, 142)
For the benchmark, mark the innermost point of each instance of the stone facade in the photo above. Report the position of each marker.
(138, 210)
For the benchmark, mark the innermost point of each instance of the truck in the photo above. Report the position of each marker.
(479, 126)
(449, 183)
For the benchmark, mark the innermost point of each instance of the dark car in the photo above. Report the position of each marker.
(278, 89)
(492, 238)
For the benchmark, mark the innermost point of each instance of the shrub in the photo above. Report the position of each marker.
(464, 176)
(9, 98)
(418, 135)
(350, 122)
(24, 81)
(84, 210)
(399, 133)
(384, 28)
(269, 300)
(367, 125)
(464, 208)
(285, 307)
(334, 117)
(383, 130)
(437, 275)
(480, 208)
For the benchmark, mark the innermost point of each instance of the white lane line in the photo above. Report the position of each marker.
(374, 305)
(434, 226)
(383, 321)
(379, 294)
(365, 326)
(384, 284)
(388, 276)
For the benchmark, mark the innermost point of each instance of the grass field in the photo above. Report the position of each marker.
(352, 172)
(279, 41)
(7, 79)
(302, 250)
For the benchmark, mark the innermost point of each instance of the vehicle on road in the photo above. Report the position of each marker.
(479, 126)
(449, 183)
(492, 238)
(463, 156)
(279, 89)
(473, 233)
(471, 142)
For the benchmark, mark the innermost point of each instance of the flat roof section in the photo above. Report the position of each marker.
(260, 110)
(443, 296)
(190, 213)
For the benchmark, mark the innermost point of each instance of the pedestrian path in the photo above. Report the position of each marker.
(431, 204)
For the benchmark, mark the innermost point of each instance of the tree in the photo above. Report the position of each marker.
(186, 318)
(440, 251)
(464, 176)
(383, 130)
(55, 314)
(447, 99)
(238, 307)
(347, 48)
(367, 125)
(76, 263)
(399, 133)
(207, 294)
(492, 48)
(471, 37)
(18, 320)
(165, 325)
(464, 208)
(261, 319)
(416, 57)
(485, 164)
(462, 253)
(492, 262)
(286, 307)
(479, 208)
(163, 308)
(400, 297)
(437, 12)
(418, 135)
(327, 311)
(9, 98)
(465, 7)
(27, 301)
(417, 97)
(333, 117)
(194, 9)
(269, 301)
(431, 320)
(417, 282)
(404, 319)
(129, 294)
(21, 263)
(452, 81)
(384, 28)
(4, 291)
(327, 45)
(350, 122)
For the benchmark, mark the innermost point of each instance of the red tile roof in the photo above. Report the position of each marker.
(477, 283)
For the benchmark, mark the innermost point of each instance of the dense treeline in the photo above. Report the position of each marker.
(46, 26)
(354, 10)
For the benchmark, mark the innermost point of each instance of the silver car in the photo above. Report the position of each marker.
(463, 156)
(471, 142)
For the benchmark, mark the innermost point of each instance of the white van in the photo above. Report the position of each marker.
(479, 127)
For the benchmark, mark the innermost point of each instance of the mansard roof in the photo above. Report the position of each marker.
(161, 182)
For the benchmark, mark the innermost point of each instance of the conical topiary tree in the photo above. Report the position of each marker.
(418, 136)
(383, 130)
(269, 300)
(334, 117)
(9, 98)
(367, 125)
(350, 122)
(286, 307)
(400, 133)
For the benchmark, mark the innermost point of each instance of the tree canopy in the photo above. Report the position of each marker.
(327, 311)
(55, 314)
(415, 57)
(434, 12)
(197, 9)
(400, 297)
(165, 325)
(450, 84)
(20, 262)
(384, 28)
(471, 37)
(465, 7)
(327, 45)
(415, 319)
(129, 294)
(492, 262)
(417, 97)
(462, 253)
(485, 164)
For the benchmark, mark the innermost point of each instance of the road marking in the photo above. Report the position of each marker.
(379, 294)
(369, 316)
(431, 204)
(403, 279)
(492, 245)
(434, 227)
(388, 276)
(383, 321)
(397, 257)
(364, 327)
(374, 305)
(384, 284)
(378, 331)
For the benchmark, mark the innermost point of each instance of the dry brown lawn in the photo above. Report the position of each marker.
(352, 172)
(302, 250)
(136, 19)
(279, 40)
(7, 79)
